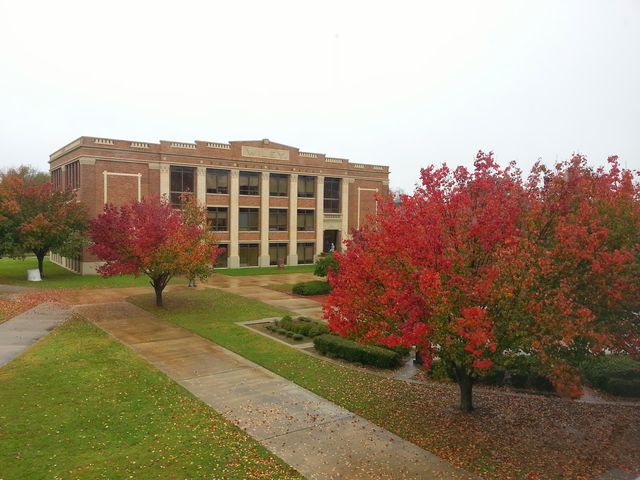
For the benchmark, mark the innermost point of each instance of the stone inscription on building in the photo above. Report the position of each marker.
(260, 152)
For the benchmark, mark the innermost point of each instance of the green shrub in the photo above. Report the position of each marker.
(438, 371)
(290, 333)
(530, 380)
(325, 263)
(340, 347)
(297, 336)
(317, 329)
(301, 325)
(616, 374)
(314, 287)
(495, 376)
(624, 387)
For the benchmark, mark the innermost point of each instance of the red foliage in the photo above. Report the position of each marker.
(477, 267)
(154, 239)
(37, 218)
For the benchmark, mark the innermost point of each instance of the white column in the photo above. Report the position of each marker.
(164, 181)
(292, 258)
(201, 186)
(263, 259)
(319, 215)
(234, 214)
(344, 209)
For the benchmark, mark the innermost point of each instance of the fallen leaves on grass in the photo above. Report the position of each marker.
(17, 303)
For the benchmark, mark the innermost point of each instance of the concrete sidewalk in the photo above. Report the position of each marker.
(20, 332)
(257, 288)
(318, 438)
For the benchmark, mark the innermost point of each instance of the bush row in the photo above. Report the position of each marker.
(521, 373)
(286, 333)
(340, 347)
(615, 374)
(302, 326)
(313, 287)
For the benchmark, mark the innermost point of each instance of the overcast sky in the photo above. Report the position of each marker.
(404, 84)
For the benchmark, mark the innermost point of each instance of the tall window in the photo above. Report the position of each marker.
(56, 178)
(306, 220)
(305, 252)
(248, 253)
(217, 181)
(223, 257)
(182, 180)
(72, 175)
(306, 186)
(218, 218)
(278, 185)
(249, 183)
(249, 219)
(278, 219)
(277, 253)
(332, 195)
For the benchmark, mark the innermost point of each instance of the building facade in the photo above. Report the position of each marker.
(268, 203)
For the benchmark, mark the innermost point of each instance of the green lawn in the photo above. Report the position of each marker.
(282, 287)
(80, 405)
(241, 272)
(14, 272)
(507, 437)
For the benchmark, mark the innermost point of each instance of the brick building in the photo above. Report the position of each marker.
(267, 202)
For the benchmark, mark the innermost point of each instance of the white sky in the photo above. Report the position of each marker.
(405, 84)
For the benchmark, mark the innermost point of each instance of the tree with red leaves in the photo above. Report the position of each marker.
(571, 280)
(477, 268)
(37, 218)
(154, 239)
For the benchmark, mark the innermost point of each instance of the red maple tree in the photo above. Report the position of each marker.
(478, 267)
(154, 239)
(35, 217)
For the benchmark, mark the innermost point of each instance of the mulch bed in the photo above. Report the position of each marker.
(519, 436)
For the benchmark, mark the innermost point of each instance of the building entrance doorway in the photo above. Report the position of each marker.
(330, 238)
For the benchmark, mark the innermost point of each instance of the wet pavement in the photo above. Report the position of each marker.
(318, 438)
(22, 331)
(256, 287)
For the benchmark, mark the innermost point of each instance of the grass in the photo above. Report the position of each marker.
(507, 437)
(80, 405)
(241, 272)
(282, 287)
(14, 272)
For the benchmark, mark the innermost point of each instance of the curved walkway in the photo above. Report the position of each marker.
(318, 438)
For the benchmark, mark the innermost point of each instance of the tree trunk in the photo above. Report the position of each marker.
(465, 382)
(40, 257)
(158, 289)
(158, 285)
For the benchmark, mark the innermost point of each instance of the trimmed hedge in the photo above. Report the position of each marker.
(340, 347)
(615, 374)
(520, 373)
(623, 387)
(313, 287)
(302, 326)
